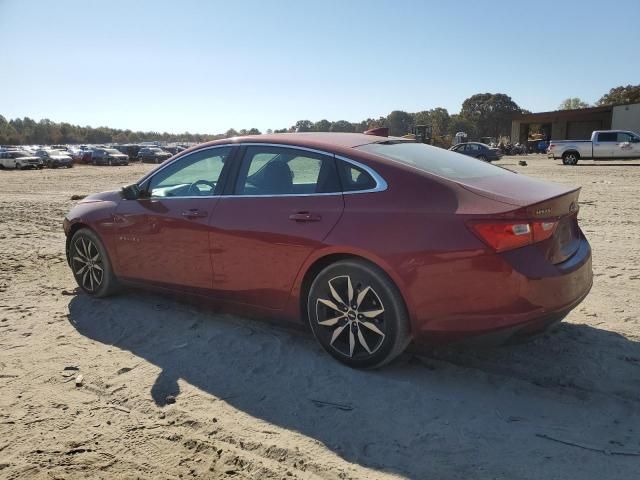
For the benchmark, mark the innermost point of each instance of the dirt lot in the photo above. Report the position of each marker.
(261, 402)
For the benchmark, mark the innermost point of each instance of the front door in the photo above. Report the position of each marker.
(283, 205)
(628, 146)
(163, 237)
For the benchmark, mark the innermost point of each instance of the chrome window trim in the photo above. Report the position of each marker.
(381, 184)
(165, 165)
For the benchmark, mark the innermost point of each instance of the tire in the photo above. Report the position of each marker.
(370, 332)
(570, 158)
(87, 250)
(482, 157)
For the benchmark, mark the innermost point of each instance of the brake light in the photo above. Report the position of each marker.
(503, 236)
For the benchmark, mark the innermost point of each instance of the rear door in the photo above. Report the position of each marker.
(283, 204)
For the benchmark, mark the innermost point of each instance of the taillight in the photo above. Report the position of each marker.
(502, 236)
(552, 146)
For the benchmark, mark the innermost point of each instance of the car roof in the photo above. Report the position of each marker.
(320, 140)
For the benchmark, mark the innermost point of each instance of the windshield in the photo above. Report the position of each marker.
(444, 163)
(111, 150)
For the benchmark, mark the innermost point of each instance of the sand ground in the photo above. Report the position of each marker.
(258, 401)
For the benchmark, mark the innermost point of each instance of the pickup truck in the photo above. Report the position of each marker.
(604, 145)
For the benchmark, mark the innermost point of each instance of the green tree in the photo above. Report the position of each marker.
(8, 134)
(342, 126)
(231, 133)
(490, 113)
(304, 126)
(572, 103)
(399, 123)
(322, 126)
(621, 94)
(458, 123)
(440, 119)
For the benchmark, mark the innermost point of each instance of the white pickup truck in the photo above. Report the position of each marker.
(604, 145)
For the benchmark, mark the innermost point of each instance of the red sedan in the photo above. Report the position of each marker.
(372, 240)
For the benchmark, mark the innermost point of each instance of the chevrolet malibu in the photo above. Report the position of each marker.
(373, 241)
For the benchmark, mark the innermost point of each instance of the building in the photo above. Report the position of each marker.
(575, 124)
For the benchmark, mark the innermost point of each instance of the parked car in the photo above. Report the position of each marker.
(604, 145)
(130, 150)
(82, 156)
(173, 149)
(19, 159)
(153, 155)
(374, 241)
(478, 150)
(55, 158)
(108, 156)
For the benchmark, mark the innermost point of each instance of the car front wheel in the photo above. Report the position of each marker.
(357, 314)
(90, 264)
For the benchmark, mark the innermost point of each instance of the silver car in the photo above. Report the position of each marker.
(55, 158)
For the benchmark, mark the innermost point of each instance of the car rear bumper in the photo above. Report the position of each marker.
(522, 296)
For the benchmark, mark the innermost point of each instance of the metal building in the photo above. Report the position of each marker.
(576, 124)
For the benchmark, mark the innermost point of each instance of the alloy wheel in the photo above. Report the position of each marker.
(87, 264)
(351, 317)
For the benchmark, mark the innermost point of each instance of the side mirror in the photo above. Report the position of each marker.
(131, 192)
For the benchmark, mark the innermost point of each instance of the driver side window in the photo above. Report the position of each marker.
(194, 175)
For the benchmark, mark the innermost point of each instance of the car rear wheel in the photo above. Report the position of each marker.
(357, 314)
(570, 158)
(90, 264)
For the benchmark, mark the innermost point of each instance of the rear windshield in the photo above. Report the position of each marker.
(444, 163)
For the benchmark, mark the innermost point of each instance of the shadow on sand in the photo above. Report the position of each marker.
(453, 415)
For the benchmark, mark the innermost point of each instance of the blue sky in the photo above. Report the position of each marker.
(206, 66)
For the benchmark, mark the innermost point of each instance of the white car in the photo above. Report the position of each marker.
(19, 159)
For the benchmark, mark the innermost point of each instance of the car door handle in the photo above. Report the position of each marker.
(194, 213)
(304, 217)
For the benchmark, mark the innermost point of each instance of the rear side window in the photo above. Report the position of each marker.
(440, 162)
(624, 137)
(354, 178)
(608, 137)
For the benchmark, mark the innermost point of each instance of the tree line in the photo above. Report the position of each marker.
(617, 95)
(481, 115)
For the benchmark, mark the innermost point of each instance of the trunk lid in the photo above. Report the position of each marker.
(565, 240)
(537, 201)
(514, 189)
